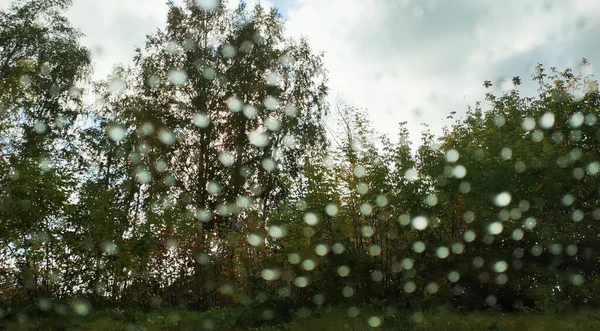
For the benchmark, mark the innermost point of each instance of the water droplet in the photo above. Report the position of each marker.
(201, 120)
(418, 247)
(235, 104)
(453, 276)
(366, 209)
(311, 218)
(331, 209)
(495, 228)
(321, 249)
(293, 258)
(375, 250)
(308, 265)
(207, 5)
(338, 248)
(547, 120)
(452, 155)
(259, 139)
(502, 199)
(290, 110)
(459, 171)
(469, 236)
(359, 171)
(411, 175)
(209, 73)
(576, 120)
(528, 124)
(177, 76)
(116, 85)
(166, 137)
(271, 103)
(374, 322)
(500, 266)
(226, 159)
(229, 52)
(301, 281)
(442, 252)
(116, 133)
(343, 271)
(420, 222)
(255, 240)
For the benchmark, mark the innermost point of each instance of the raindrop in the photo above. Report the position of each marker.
(294, 258)
(547, 120)
(409, 287)
(207, 5)
(276, 231)
(308, 265)
(226, 159)
(347, 291)
(452, 156)
(343, 271)
(367, 231)
(502, 199)
(375, 250)
(506, 153)
(116, 85)
(453, 276)
(310, 218)
(576, 120)
(268, 164)
(460, 171)
(518, 234)
(209, 73)
(177, 76)
(259, 139)
(374, 321)
(235, 104)
(290, 110)
(500, 266)
(420, 222)
(528, 124)
(166, 137)
(442, 252)
(410, 175)
(495, 228)
(201, 120)
(321, 249)
(431, 200)
(529, 223)
(116, 133)
(273, 124)
(255, 240)
(229, 51)
(331, 209)
(366, 209)
(418, 247)
(271, 103)
(301, 281)
(360, 171)
(338, 248)
(469, 236)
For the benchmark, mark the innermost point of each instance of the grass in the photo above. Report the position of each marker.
(330, 319)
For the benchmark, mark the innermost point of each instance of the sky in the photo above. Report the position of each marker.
(401, 60)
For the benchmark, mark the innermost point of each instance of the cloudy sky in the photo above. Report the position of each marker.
(403, 60)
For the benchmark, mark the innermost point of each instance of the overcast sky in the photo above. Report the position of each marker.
(403, 60)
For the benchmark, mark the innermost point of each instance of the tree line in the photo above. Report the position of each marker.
(203, 176)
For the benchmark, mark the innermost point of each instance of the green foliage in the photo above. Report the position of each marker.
(202, 179)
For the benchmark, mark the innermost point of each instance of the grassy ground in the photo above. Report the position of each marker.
(333, 319)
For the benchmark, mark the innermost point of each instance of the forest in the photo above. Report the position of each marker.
(203, 177)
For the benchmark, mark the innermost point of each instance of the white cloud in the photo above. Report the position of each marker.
(404, 60)
(416, 61)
